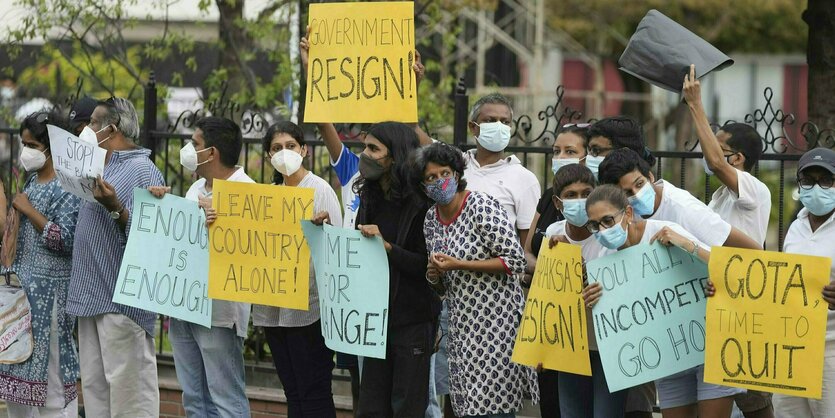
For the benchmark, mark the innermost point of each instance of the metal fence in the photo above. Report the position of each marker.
(533, 137)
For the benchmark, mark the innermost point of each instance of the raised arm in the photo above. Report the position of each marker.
(714, 156)
(327, 130)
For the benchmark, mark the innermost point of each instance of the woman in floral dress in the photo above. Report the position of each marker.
(475, 255)
(45, 384)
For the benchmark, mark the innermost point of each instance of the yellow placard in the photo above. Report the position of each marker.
(360, 65)
(257, 250)
(553, 330)
(766, 324)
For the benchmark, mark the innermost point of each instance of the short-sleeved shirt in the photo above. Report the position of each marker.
(100, 241)
(801, 240)
(225, 314)
(680, 207)
(324, 200)
(590, 249)
(515, 187)
(749, 210)
(347, 171)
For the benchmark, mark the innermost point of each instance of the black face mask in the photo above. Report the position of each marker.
(370, 168)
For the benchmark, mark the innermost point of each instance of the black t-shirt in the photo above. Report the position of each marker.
(548, 214)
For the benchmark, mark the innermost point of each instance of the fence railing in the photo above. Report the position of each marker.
(533, 138)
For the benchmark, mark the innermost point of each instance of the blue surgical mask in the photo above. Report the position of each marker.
(612, 238)
(558, 163)
(818, 200)
(593, 163)
(442, 190)
(643, 203)
(493, 136)
(574, 211)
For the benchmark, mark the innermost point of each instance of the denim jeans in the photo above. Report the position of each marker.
(210, 368)
(589, 396)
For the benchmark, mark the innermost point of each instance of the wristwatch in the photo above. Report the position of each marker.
(117, 213)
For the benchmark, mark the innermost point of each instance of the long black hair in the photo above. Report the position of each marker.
(401, 141)
(283, 127)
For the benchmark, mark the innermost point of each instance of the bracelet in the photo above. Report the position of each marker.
(695, 252)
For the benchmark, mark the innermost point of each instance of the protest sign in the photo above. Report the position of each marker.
(352, 276)
(77, 162)
(650, 320)
(360, 65)
(553, 328)
(257, 251)
(766, 325)
(166, 264)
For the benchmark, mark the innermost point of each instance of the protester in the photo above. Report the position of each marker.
(345, 164)
(582, 396)
(743, 200)
(390, 208)
(80, 113)
(612, 222)
(664, 202)
(613, 133)
(203, 355)
(45, 384)
(475, 253)
(813, 233)
(303, 362)
(569, 148)
(116, 342)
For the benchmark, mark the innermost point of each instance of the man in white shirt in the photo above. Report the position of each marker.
(664, 202)
(491, 172)
(813, 233)
(204, 357)
(743, 200)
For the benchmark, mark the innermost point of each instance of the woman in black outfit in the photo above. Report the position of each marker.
(390, 208)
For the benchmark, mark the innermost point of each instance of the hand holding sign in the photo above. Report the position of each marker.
(692, 90)
(829, 295)
(105, 194)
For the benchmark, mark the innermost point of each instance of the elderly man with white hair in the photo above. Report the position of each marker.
(115, 342)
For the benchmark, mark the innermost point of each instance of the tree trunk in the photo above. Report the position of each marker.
(233, 42)
(820, 55)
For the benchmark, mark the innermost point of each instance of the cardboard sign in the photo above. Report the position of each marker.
(352, 276)
(166, 264)
(77, 162)
(257, 251)
(650, 320)
(766, 325)
(553, 329)
(360, 66)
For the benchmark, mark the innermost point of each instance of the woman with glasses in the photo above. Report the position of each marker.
(582, 396)
(813, 233)
(614, 133)
(611, 221)
(45, 384)
(474, 256)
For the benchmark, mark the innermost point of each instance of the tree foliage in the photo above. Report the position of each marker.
(739, 26)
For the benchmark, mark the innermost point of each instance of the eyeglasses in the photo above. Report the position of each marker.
(596, 151)
(111, 103)
(606, 222)
(807, 183)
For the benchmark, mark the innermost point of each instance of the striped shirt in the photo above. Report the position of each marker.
(324, 200)
(100, 241)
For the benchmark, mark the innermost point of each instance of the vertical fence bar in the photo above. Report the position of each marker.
(781, 206)
(150, 110)
(461, 102)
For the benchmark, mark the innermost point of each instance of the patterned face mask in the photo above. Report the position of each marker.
(442, 190)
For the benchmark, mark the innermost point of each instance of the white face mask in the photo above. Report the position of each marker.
(32, 159)
(89, 136)
(493, 136)
(188, 157)
(287, 161)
